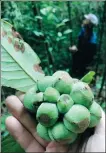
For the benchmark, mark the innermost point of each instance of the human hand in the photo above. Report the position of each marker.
(96, 143)
(73, 49)
(23, 128)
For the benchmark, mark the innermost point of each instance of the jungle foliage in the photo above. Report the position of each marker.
(50, 28)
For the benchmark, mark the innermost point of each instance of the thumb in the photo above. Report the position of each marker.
(56, 147)
(100, 128)
(96, 143)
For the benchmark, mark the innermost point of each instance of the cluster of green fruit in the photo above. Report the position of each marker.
(64, 107)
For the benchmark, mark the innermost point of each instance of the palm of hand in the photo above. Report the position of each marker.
(22, 127)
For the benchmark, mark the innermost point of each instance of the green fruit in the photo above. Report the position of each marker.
(59, 133)
(39, 97)
(64, 86)
(82, 94)
(47, 81)
(64, 82)
(51, 95)
(47, 114)
(43, 132)
(64, 103)
(32, 99)
(77, 119)
(96, 114)
(61, 74)
(75, 80)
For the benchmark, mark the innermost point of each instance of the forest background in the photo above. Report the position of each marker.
(50, 28)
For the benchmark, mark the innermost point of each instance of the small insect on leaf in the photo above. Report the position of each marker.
(88, 77)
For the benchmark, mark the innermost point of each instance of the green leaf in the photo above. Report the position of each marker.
(17, 67)
(4, 131)
(103, 105)
(65, 20)
(3, 118)
(46, 10)
(67, 31)
(59, 34)
(9, 144)
(37, 33)
(50, 49)
(60, 24)
(38, 17)
(88, 77)
(60, 38)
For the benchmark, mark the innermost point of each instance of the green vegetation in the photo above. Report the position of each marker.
(46, 30)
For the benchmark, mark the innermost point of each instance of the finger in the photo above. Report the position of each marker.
(22, 136)
(96, 143)
(100, 128)
(17, 109)
(20, 95)
(56, 147)
(98, 139)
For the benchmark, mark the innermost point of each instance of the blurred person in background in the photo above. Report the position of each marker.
(85, 50)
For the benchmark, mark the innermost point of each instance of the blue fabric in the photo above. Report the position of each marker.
(93, 39)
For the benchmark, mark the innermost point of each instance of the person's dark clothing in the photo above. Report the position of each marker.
(86, 51)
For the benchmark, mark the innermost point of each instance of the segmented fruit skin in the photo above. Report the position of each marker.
(47, 114)
(64, 86)
(64, 103)
(75, 80)
(62, 74)
(51, 95)
(64, 82)
(95, 114)
(60, 133)
(42, 131)
(47, 81)
(77, 119)
(82, 94)
(30, 100)
(64, 107)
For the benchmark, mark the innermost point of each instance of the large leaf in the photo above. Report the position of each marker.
(9, 144)
(17, 67)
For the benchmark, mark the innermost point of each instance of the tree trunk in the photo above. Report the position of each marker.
(69, 3)
(50, 61)
(103, 81)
